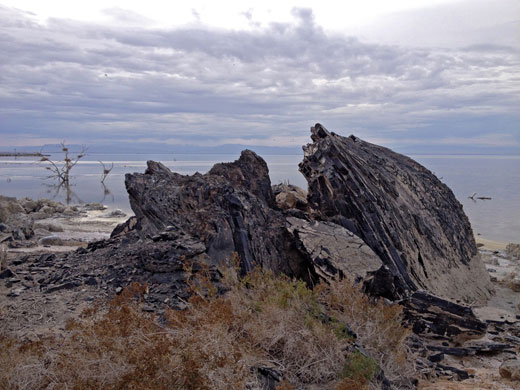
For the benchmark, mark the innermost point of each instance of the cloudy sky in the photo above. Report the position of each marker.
(413, 75)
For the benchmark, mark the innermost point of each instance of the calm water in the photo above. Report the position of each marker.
(494, 176)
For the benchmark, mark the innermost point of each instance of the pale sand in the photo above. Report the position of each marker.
(491, 245)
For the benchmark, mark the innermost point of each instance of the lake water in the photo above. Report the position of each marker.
(494, 176)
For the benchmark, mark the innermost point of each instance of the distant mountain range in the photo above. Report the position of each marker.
(158, 148)
(139, 148)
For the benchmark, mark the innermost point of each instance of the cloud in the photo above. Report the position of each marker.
(89, 83)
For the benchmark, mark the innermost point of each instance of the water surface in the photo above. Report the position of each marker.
(494, 176)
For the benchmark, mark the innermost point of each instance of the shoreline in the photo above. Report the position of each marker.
(491, 245)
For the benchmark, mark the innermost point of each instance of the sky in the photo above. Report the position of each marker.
(417, 76)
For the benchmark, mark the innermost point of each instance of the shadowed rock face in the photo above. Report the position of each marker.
(401, 210)
(229, 209)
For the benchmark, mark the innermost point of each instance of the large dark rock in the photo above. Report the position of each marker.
(229, 209)
(411, 220)
(432, 316)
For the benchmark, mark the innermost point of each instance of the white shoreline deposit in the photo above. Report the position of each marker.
(71, 232)
(29, 226)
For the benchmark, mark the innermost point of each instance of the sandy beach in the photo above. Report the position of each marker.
(491, 245)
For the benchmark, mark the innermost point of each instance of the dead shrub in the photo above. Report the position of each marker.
(263, 320)
(286, 327)
(377, 324)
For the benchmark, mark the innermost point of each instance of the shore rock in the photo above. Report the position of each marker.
(409, 218)
(370, 215)
(230, 209)
(513, 250)
(437, 318)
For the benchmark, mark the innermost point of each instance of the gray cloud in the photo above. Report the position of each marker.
(196, 85)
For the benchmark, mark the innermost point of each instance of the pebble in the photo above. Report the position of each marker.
(510, 369)
(15, 292)
(6, 273)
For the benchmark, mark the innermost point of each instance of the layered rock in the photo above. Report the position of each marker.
(333, 250)
(229, 209)
(411, 220)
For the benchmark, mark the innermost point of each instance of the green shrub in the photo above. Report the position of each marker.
(360, 368)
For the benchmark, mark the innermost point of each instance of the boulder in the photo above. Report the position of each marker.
(52, 240)
(29, 205)
(510, 369)
(401, 210)
(9, 207)
(289, 196)
(513, 251)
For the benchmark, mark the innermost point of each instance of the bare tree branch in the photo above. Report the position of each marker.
(61, 172)
(105, 171)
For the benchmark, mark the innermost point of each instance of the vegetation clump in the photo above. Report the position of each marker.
(218, 341)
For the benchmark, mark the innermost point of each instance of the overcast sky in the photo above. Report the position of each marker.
(412, 75)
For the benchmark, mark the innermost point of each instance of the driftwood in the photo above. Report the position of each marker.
(472, 197)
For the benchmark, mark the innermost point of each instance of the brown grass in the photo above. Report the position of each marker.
(377, 325)
(264, 320)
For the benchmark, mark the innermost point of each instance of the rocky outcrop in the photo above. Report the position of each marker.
(409, 218)
(370, 215)
(229, 209)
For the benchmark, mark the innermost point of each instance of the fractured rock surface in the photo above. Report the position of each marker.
(229, 209)
(411, 220)
(333, 250)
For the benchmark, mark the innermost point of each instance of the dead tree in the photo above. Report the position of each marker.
(61, 171)
(105, 171)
